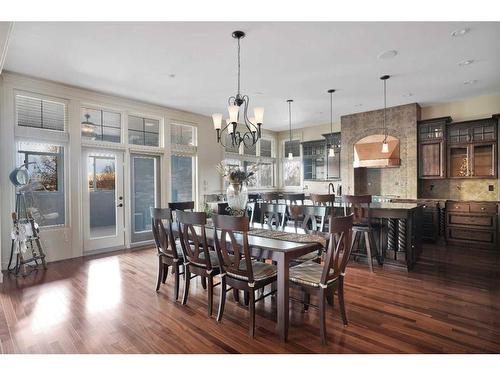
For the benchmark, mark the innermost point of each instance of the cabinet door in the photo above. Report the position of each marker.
(458, 161)
(483, 160)
(431, 160)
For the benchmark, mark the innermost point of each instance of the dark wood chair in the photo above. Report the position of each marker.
(324, 279)
(198, 259)
(182, 206)
(363, 232)
(270, 197)
(294, 198)
(253, 197)
(238, 269)
(273, 214)
(323, 199)
(222, 208)
(169, 252)
(309, 218)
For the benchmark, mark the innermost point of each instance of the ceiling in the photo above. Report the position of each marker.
(192, 65)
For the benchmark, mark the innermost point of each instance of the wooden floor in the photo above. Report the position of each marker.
(450, 303)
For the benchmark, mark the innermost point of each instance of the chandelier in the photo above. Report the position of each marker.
(249, 131)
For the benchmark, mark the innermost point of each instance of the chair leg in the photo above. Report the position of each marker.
(222, 300)
(176, 286)
(369, 251)
(355, 242)
(322, 315)
(187, 281)
(378, 255)
(341, 300)
(330, 296)
(204, 282)
(246, 297)
(307, 299)
(160, 274)
(251, 303)
(236, 295)
(210, 294)
(165, 273)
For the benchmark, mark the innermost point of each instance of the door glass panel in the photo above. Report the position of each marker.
(483, 160)
(144, 194)
(102, 195)
(459, 162)
(182, 178)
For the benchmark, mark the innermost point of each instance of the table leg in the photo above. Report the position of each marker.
(283, 302)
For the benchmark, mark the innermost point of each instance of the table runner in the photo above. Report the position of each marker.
(287, 236)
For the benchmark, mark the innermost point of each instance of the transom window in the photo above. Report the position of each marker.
(184, 135)
(143, 131)
(101, 125)
(39, 113)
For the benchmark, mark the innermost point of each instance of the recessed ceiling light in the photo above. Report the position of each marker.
(460, 32)
(465, 62)
(171, 75)
(470, 82)
(407, 95)
(387, 54)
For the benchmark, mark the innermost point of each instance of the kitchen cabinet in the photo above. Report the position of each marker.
(432, 147)
(317, 165)
(472, 149)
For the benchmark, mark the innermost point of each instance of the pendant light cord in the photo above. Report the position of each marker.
(331, 113)
(290, 119)
(385, 106)
(238, 66)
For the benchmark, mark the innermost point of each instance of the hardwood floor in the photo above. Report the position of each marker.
(450, 303)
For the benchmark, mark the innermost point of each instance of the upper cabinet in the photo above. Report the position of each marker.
(432, 147)
(472, 149)
(318, 163)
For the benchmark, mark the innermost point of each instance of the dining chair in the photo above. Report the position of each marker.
(222, 208)
(251, 211)
(327, 278)
(273, 214)
(363, 232)
(323, 199)
(238, 269)
(169, 251)
(294, 198)
(198, 259)
(182, 206)
(270, 197)
(253, 197)
(308, 218)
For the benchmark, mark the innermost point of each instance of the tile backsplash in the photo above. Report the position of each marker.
(473, 189)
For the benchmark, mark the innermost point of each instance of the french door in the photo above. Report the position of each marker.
(145, 193)
(103, 200)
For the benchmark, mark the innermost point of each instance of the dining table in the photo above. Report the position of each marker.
(280, 246)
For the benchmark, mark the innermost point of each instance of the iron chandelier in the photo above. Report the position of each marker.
(249, 132)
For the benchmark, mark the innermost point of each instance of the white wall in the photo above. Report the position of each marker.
(67, 242)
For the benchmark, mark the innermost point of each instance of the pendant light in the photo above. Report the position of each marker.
(385, 145)
(331, 150)
(290, 101)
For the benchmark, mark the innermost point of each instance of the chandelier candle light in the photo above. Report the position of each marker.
(251, 131)
(385, 146)
(290, 101)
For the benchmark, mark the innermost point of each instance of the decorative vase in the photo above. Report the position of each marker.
(237, 198)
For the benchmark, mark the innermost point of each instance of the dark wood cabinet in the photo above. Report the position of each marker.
(317, 163)
(432, 148)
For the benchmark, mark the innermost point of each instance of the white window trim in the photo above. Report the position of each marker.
(161, 133)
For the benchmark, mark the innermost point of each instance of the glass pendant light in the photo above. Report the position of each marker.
(331, 150)
(289, 101)
(385, 145)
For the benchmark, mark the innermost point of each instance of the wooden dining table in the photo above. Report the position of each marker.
(282, 252)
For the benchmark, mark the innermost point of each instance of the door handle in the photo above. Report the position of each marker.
(120, 205)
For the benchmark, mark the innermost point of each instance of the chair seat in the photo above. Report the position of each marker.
(305, 258)
(214, 260)
(179, 250)
(362, 228)
(308, 273)
(261, 271)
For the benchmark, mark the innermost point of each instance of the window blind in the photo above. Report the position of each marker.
(40, 113)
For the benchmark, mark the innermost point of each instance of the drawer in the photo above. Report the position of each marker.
(457, 206)
(470, 235)
(478, 221)
(490, 208)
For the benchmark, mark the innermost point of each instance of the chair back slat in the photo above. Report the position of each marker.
(273, 214)
(359, 206)
(182, 206)
(323, 199)
(339, 248)
(230, 257)
(192, 244)
(309, 217)
(163, 234)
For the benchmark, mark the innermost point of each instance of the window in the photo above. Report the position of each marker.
(182, 178)
(250, 150)
(101, 125)
(266, 148)
(143, 131)
(266, 175)
(229, 146)
(44, 193)
(40, 113)
(247, 165)
(291, 168)
(184, 135)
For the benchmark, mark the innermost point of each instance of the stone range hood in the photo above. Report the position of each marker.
(368, 152)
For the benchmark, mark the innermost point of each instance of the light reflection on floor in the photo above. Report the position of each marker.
(51, 308)
(104, 285)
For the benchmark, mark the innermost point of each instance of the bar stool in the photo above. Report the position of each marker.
(359, 205)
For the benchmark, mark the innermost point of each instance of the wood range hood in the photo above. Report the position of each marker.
(368, 152)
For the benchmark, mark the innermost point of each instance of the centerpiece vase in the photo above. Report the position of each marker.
(237, 198)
